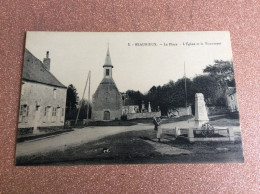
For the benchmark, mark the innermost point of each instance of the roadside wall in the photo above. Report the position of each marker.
(143, 115)
(182, 111)
(216, 110)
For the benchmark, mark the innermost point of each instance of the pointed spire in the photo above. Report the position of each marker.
(108, 59)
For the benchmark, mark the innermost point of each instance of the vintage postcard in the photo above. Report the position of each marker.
(128, 98)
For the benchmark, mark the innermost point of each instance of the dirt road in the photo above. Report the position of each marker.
(73, 138)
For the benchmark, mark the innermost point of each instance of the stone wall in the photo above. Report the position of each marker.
(143, 115)
(37, 103)
(99, 115)
(182, 111)
(130, 109)
(216, 110)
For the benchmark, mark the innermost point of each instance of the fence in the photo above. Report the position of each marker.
(196, 135)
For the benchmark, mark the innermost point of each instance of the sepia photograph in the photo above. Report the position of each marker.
(128, 98)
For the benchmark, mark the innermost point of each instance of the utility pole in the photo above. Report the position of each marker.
(82, 97)
(185, 86)
(88, 95)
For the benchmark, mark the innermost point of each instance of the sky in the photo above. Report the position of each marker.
(140, 59)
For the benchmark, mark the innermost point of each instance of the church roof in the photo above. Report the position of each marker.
(107, 83)
(34, 71)
(108, 62)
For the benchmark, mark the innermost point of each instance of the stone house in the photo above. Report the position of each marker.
(43, 97)
(231, 98)
(107, 100)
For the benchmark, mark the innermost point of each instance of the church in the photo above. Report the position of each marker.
(107, 100)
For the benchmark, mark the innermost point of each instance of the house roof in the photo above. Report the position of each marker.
(231, 90)
(34, 71)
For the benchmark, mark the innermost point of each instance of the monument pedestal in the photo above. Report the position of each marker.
(199, 123)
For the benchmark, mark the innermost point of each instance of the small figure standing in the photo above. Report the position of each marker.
(157, 128)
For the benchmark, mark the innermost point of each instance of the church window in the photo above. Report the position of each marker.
(107, 72)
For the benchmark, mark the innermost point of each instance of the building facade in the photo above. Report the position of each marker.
(43, 97)
(107, 100)
(231, 97)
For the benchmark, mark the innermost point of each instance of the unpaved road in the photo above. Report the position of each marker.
(85, 135)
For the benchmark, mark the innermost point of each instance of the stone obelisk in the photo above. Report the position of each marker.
(149, 107)
(201, 115)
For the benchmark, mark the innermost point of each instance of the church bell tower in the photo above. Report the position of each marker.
(108, 66)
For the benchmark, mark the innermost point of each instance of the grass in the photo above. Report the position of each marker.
(230, 119)
(224, 121)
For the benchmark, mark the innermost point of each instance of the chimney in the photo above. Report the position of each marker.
(47, 61)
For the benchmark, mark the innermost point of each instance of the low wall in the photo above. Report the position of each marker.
(143, 115)
(179, 112)
(184, 111)
(217, 110)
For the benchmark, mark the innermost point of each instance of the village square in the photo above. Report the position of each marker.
(191, 120)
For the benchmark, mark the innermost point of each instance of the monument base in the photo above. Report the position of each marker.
(199, 123)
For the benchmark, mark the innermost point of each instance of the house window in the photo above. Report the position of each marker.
(22, 88)
(107, 72)
(54, 93)
(21, 110)
(45, 111)
(27, 111)
(24, 111)
(62, 112)
(45, 114)
(54, 111)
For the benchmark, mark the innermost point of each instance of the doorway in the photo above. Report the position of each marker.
(106, 115)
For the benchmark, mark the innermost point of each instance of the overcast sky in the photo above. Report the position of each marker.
(73, 54)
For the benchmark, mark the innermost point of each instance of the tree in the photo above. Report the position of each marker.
(135, 97)
(180, 94)
(223, 72)
(209, 87)
(71, 102)
(83, 113)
